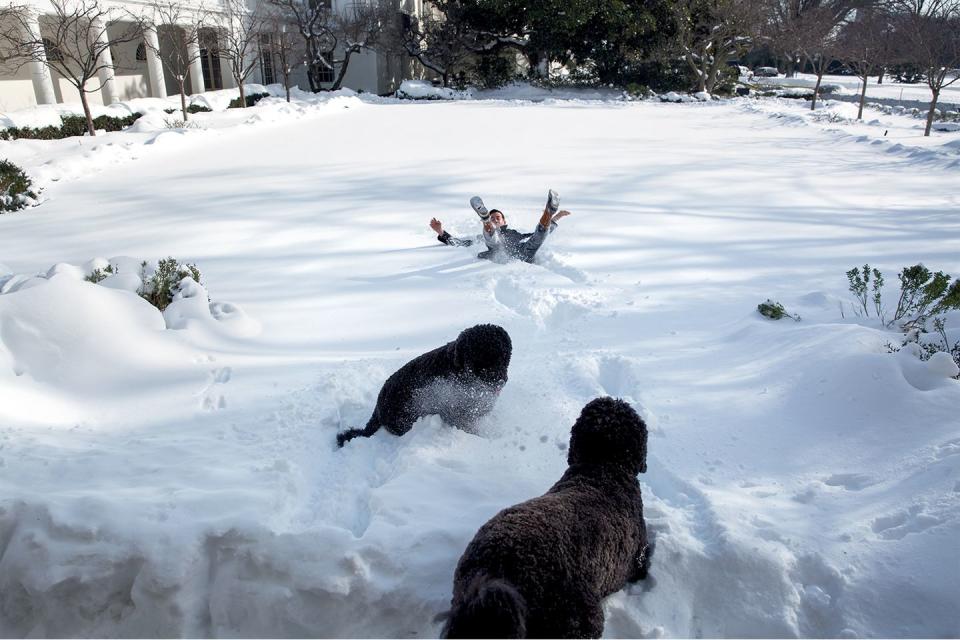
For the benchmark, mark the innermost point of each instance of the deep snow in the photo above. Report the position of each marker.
(179, 476)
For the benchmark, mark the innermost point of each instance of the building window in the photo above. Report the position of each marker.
(321, 4)
(53, 51)
(325, 71)
(142, 52)
(266, 59)
(210, 61)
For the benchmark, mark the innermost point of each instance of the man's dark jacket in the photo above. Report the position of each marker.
(512, 239)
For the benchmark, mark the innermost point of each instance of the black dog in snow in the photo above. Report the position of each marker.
(459, 382)
(541, 569)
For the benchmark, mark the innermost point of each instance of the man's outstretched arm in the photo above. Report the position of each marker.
(446, 238)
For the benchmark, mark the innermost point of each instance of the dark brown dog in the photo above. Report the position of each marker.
(541, 569)
(459, 382)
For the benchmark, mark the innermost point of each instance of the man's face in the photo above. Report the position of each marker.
(497, 219)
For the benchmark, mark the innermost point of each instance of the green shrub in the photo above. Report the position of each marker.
(661, 75)
(15, 187)
(775, 311)
(98, 275)
(637, 90)
(493, 71)
(71, 125)
(198, 108)
(252, 99)
(924, 297)
(159, 288)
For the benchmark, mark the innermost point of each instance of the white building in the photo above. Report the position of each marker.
(135, 70)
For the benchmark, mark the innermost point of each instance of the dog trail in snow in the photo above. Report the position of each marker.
(212, 397)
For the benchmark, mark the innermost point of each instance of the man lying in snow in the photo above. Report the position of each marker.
(502, 242)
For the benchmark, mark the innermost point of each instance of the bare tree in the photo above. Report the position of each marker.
(712, 32)
(441, 40)
(865, 44)
(282, 45)
(356, 28)
(179, 37)
(931, 32)
(313, 20)
(239, 29)
(76, 44)
(786, 26)
(817, 39)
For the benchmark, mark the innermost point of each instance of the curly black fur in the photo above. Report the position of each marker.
(458, 381)
(541, 569)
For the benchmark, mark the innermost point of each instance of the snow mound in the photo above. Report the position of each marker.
(422, 90)
(673, 96)
(60, 330)
(934, 373)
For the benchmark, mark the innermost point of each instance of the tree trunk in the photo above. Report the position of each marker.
(286, 85)
(343, 70)
(446, 78)
(933, 107)
(711, 83)
(863, 94)
(880, 75)
(243, 96)
(816, 89)
(86, 112)
(183, 101)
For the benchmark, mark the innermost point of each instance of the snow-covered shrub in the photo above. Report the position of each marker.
(925, 296)
(421, 90)
(15, 188)
(99, 275)
(72, 125)
(251, 100)
(160, 287)
(775, 311)
(927, 347)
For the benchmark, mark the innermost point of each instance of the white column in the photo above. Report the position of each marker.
(39, 72)
(109, 90)
(158, 87)
(196, 68)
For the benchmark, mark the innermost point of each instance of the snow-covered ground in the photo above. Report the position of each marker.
(177, 475)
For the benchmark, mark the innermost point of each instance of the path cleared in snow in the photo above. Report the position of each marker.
(158, 482)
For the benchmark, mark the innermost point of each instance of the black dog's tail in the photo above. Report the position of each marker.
(372, 427)
(491, 608)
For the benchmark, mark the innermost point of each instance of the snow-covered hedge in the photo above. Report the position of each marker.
(16, 188)
(421, 90)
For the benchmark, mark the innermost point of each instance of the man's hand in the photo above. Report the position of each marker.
(436, 226)
(560, 214)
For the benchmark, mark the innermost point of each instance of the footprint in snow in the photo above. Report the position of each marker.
(897, 526)
(213, 399)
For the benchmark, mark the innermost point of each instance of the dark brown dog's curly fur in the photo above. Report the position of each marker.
(458, 381)
(541, 569)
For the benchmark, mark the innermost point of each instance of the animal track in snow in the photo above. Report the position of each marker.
(548, 308)
(850, 481)
(821, 586)
(902, 523)
(947, 449)
(213, 399)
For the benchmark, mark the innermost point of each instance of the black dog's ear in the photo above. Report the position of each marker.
(609, 431)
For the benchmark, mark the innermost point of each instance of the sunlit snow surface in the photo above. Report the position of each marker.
(176, 475)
